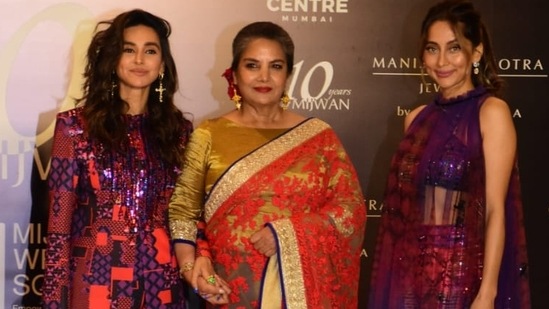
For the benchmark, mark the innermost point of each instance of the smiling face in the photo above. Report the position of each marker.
(141, 59)
(448, 60)
(262, 73)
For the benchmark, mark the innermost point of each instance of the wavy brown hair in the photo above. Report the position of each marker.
(467, 24)
(104, 110)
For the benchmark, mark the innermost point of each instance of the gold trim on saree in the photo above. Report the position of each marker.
(245, 168)
(290, 260)
(271, 294)
(182, 229)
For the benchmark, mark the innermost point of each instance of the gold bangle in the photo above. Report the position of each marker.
(186, 267)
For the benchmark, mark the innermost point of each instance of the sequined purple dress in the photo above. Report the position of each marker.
(109, 246)
(430, 244)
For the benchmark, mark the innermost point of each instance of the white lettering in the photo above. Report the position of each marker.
(27, 285)
(372, 205)
(520, 64)
(31, 259)
(306, 6)
(396, 63)
(428, 88)
(328, 76)
(32, 235)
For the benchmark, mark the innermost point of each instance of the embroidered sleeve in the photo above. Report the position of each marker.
(187, 200)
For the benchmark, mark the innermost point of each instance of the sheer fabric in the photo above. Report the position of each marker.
(430, 245)
(300, 183)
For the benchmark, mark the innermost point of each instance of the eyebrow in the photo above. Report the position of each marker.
(255, 60)
(447, 43)
(146, 44)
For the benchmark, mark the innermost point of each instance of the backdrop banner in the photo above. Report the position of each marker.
(356, 67)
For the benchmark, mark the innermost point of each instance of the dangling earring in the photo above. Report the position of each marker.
(284, 101)
(113, 84)
(160, 88)
(476, 64)
(236, 98)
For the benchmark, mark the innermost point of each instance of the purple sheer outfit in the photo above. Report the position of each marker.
(430, 245)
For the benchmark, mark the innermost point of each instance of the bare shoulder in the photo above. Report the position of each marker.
(494, 110)
(494, 106)
(412, 115)
(495, 116)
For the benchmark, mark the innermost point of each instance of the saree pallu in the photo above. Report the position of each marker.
(303, 186)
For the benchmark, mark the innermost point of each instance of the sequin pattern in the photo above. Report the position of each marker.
(108, 241)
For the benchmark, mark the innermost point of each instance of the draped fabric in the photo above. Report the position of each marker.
(108, 242)
(430, 246)
(302, 185)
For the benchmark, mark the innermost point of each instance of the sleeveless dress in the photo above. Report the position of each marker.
(430, 246)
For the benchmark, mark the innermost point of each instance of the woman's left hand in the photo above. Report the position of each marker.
(264, 242)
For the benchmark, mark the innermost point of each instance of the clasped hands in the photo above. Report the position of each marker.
(206, 283)
(215, 289)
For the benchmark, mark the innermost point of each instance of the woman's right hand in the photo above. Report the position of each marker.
(207, 283)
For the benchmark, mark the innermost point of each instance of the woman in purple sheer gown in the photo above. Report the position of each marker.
(451, 233)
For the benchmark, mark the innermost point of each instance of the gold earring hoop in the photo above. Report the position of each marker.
(476, 64)
(236, 98)
(284, 101)
(160, 88)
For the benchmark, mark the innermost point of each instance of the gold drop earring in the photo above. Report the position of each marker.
(284, 101)
(236, 98)
(160, 88)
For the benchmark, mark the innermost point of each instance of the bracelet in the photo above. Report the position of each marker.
(186, 267)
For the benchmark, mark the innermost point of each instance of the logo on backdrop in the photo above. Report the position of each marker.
(411, 66)
(308, 11)
(21, 243)
(325, 99)
(14, 147)
(373, 208)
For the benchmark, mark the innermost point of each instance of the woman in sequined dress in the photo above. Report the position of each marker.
(451, 232)
(283, 211)
(114, 164)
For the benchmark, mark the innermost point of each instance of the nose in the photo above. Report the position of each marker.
(442, 61)
(138, 57)
(264, 73)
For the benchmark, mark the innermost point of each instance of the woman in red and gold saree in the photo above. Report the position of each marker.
(282, 211)
(302, 185)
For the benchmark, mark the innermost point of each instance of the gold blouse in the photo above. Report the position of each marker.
(213, 147)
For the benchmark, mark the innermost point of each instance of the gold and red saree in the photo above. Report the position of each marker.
(303, 186)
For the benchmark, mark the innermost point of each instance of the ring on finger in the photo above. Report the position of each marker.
(211, 280)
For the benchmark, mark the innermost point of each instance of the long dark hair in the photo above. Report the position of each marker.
(104, 109)
(265, 30)
(466, 23)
